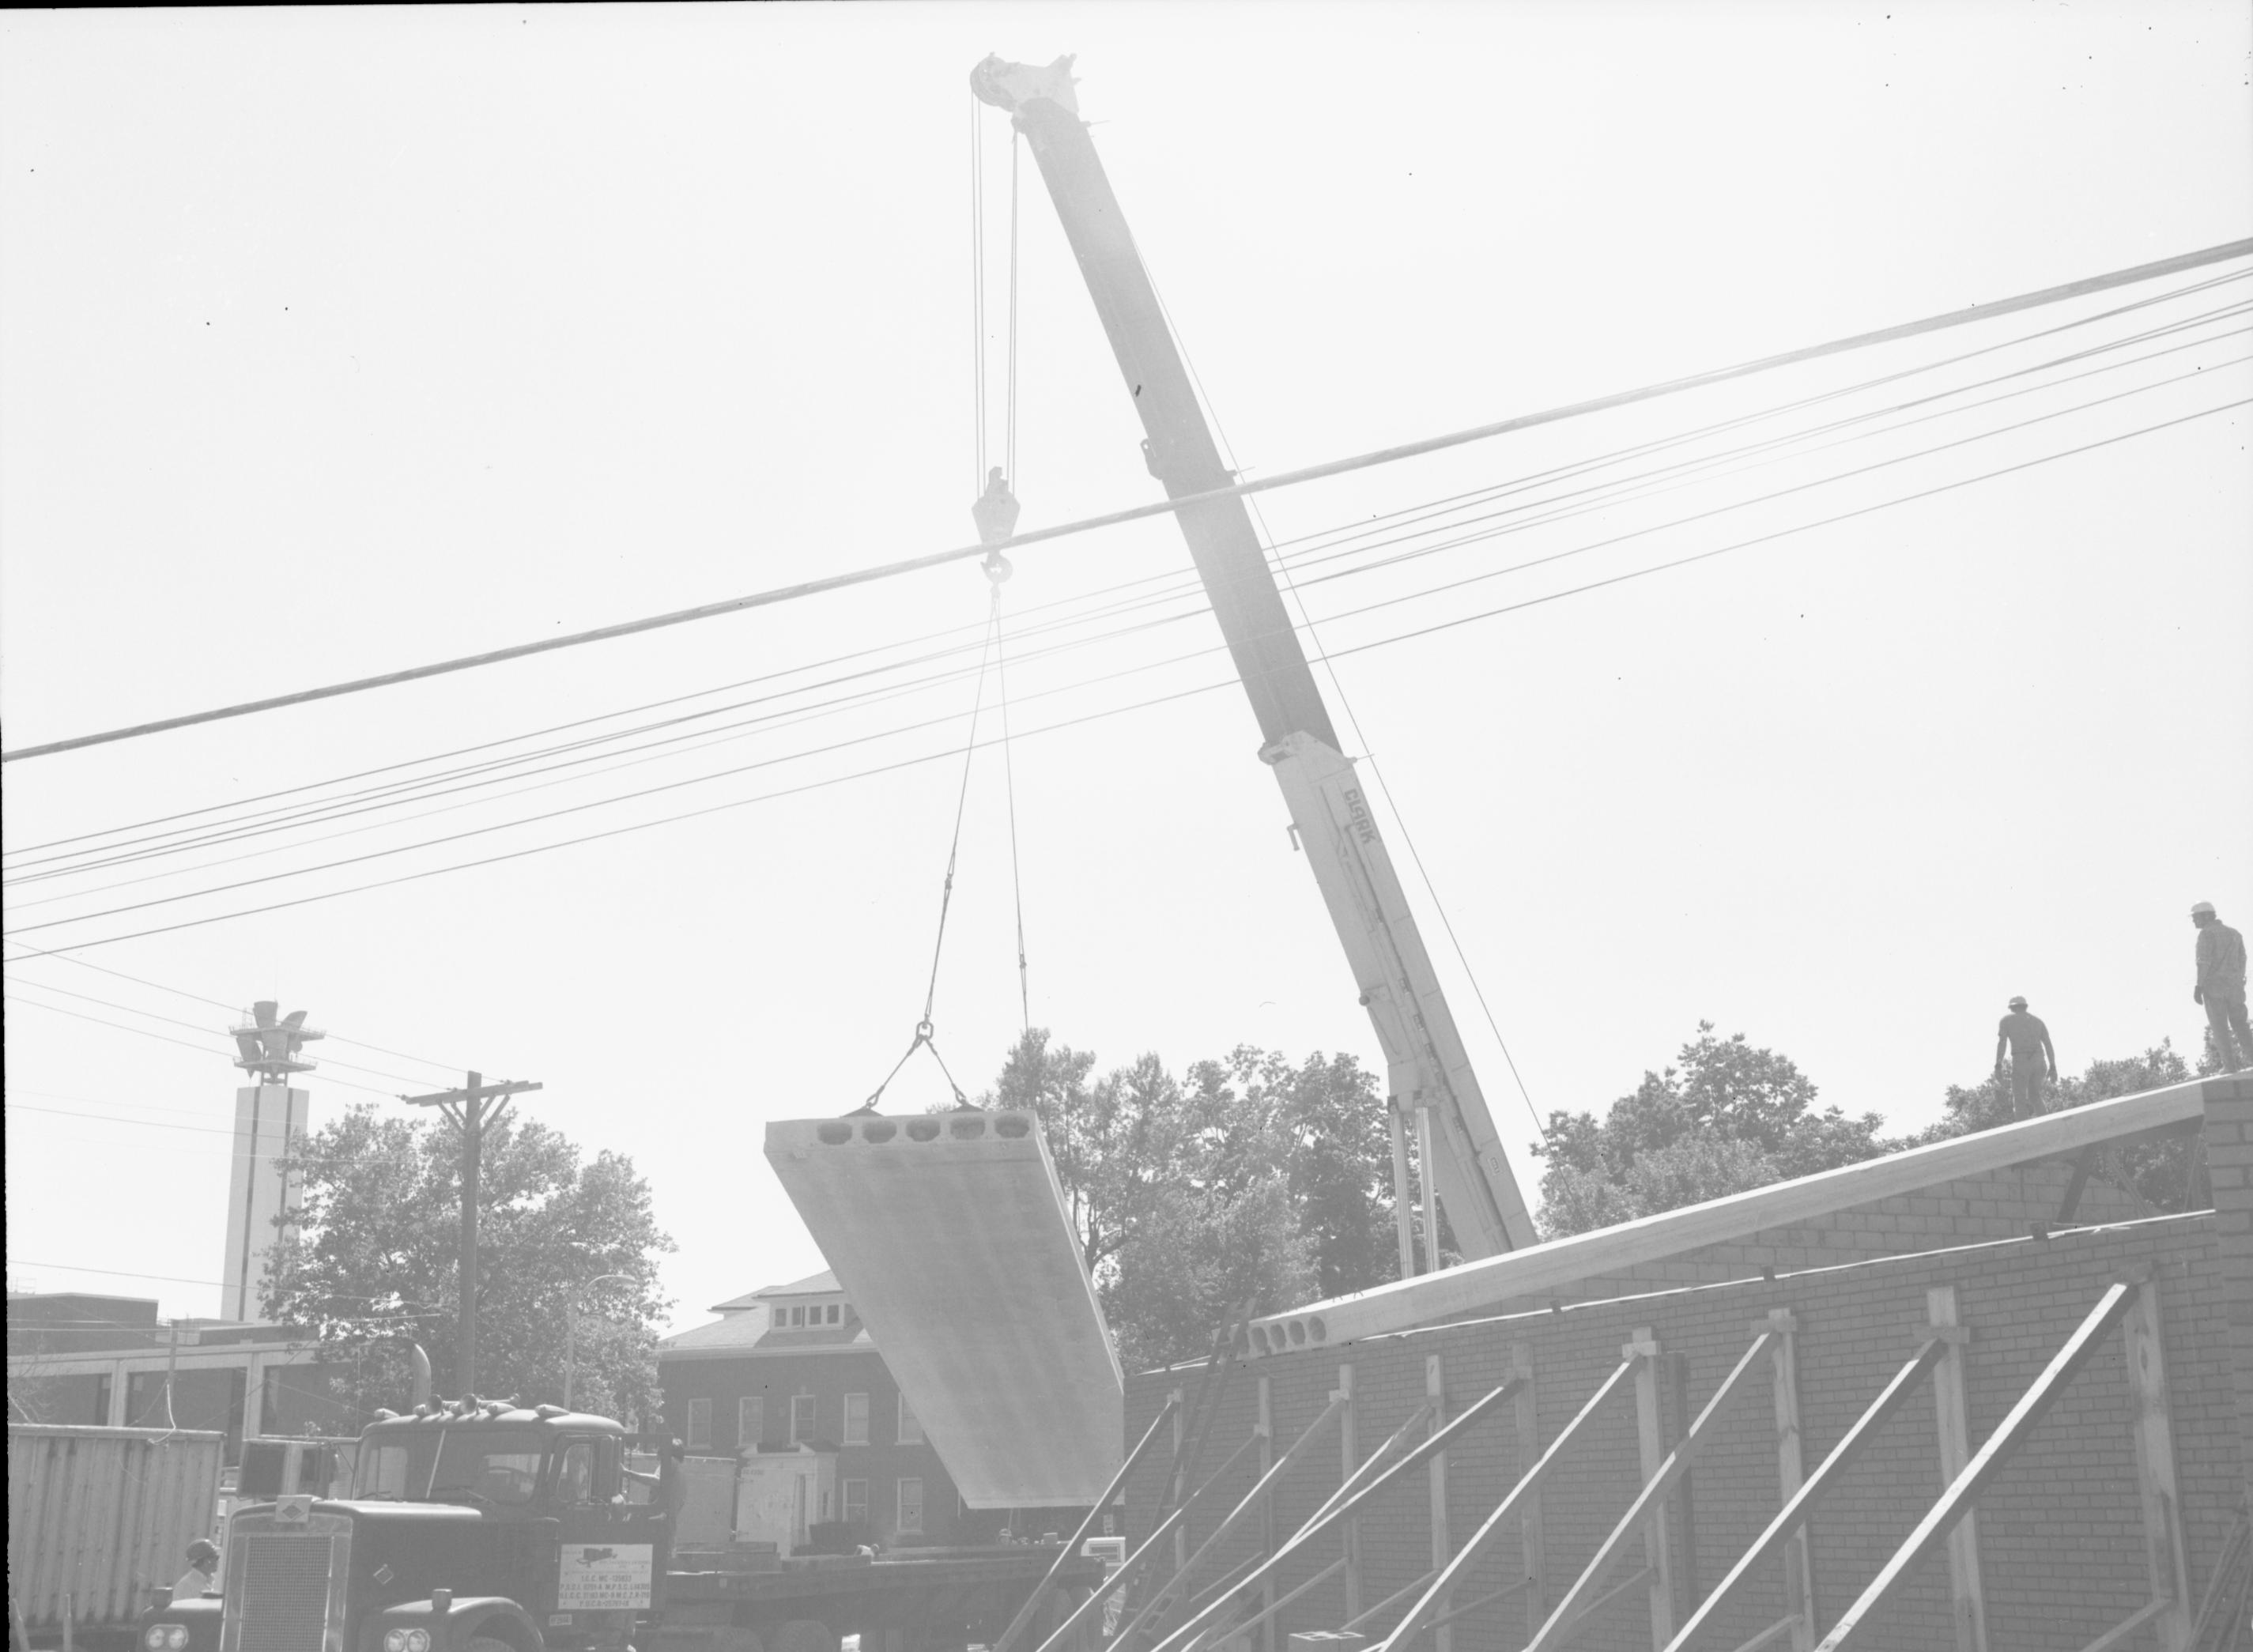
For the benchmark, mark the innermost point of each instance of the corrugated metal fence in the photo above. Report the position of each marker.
(101, 1515)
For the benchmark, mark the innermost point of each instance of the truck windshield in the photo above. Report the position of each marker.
(484, 1465)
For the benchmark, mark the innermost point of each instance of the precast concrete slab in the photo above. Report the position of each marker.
(950, 1232)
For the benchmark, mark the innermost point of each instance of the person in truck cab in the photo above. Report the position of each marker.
(202, 1566)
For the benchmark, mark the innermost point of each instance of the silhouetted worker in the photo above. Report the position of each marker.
(2221, 986)
(2030, 1055)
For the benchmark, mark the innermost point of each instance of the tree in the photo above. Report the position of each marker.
(1727, 1117)
(1190, 1201)
(1337, 1155)
(374, 1262)
(2159, 1173)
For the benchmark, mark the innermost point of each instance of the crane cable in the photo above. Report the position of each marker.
(1167, 506)
(997, 569)
(925, 1038)
(991, 655)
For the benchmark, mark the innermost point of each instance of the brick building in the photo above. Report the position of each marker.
(2046, 1385)
(794, 1365)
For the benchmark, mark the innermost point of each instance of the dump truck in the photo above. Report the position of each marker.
(478, 1526)
(98, 1518)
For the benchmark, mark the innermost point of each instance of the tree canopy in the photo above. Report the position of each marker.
(1248, 1180)
(2158, 1173)
(1727, 1117)
(374, 1262)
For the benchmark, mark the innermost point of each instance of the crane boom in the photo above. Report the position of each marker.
(1426, 1062)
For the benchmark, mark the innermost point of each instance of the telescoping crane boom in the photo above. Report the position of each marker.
(1426, 1062)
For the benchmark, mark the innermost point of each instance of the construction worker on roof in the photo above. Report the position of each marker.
(2027, 1040)
(2221, 986)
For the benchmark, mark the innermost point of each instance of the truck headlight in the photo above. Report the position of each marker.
(407, 1640)
(165, 1637)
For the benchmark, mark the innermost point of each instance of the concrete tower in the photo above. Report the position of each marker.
(269, 1117)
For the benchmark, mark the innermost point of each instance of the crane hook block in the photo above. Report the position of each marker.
(995, 513)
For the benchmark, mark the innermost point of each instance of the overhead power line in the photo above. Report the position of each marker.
(1479, 528)
(1347, 541)
(1289, 478)
(57, 1009)
(113, 1273)
(1156, 699)
(22, 930)
(220, 1003)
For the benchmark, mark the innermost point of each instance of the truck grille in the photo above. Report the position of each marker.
(285, 1592)
(285, 1581)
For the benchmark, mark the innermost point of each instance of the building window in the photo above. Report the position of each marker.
(910, 1523)
(910, 1430)
(836, 1313)
(699, 1425)
(856, 1419)
(856, 1502)
(751, 1421)
(801, 1418)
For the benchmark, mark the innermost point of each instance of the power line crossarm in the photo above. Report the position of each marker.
(1289, 478)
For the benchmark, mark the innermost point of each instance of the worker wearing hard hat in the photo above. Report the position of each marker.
(203, 1567)
(2032, 1057)
(2221, 986)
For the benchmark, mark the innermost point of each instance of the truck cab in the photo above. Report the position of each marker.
(472, 1527)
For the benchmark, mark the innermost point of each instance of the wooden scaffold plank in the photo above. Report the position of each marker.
(1951, 1387)
(1435, 1397)
(1421, 1616)
(1854, 1627)
(2165, 1552)
(1177, 1585)
(1646, 1512)
(1383, 1470)
(1528, 1449)
(1010, 1636)
(1792, 1518)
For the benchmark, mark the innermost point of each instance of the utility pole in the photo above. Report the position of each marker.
(466, 1107)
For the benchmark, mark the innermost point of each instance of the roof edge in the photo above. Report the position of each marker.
(1407, 1303)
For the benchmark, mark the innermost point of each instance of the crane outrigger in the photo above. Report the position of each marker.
(1426, 1066)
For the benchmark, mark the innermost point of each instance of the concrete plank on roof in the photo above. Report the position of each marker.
(950, 1234)
(1405, 1304)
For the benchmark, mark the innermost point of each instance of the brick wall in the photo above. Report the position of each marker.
(2061, 1532)
(2004, 1204)
(2229, 1162)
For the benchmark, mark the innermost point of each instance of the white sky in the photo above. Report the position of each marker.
(338, 341)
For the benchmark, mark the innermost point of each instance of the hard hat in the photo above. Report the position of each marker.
(2203, 908)
(2018, 1003)
(201, 1550)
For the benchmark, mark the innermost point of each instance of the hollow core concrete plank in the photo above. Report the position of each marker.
(950, 1234)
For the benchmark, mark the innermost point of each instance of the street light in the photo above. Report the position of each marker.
(571, 1330)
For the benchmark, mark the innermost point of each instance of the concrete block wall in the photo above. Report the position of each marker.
(2229, 1162)
(2004, 1204)
(2061, 1530)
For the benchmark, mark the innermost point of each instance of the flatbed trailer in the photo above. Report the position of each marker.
(916, 1604)
(487, 1527)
